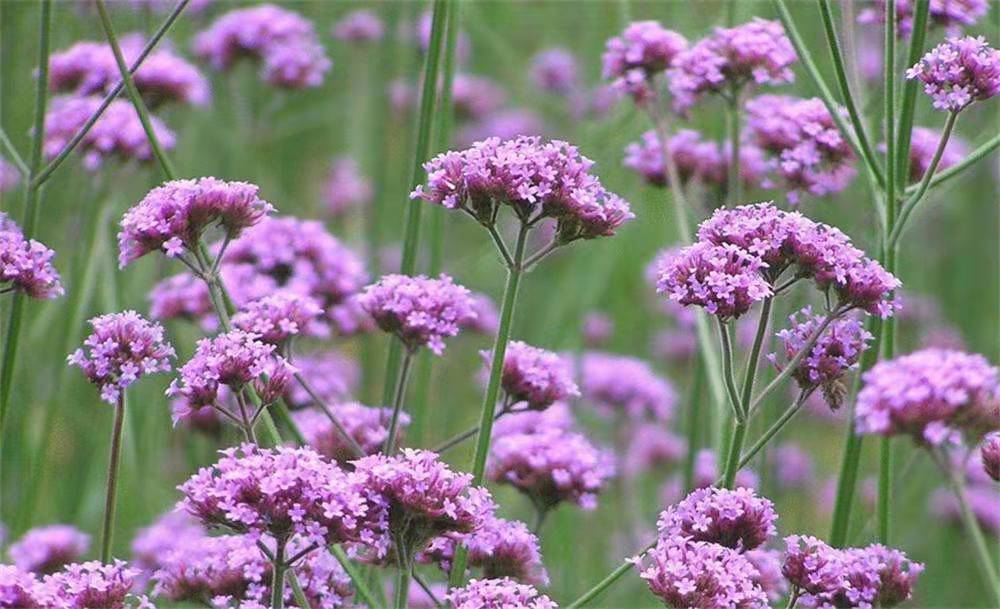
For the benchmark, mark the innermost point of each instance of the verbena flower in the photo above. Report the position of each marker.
(423, 496)
(278, 317)
(282, 40)
(26, 264)
(757, 52)
(20, 589)
(555, 417)
(835, 353)
(933, 395)
(420, 311)
(117, 133)
(634, 58)
(173, 217)
(475, 97)
(91, 585)
(47, 549)
(533, 376)
(770, 578)
(555, 71)
(501, 548)
(359, 27)
(122, 348)
(625, 385)
(550, 466)
(810, 154)
(651, 445)
(685, 573)
(346, 188)
(952, 15)
(792, 466)
(502, 593)
(958, 72)
(737, 519)
(152, 545)
(487, 319)
(234, 359)
(333, 375)
(536, 179)
(368, 426)
(285, 493)
(923, 144)
(989, 454)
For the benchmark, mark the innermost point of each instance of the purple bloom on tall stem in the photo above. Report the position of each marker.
(366, 424)
(47, 549)
(122, 348)
(278, 318)
(634, 58)
(346, 188)
(555, 71)
(359, 27)
(91, 584)
(20, 589)
(26, 264)
(501, 548)
(736, 519)
(958, 72)
(533, 376)
(502, 593)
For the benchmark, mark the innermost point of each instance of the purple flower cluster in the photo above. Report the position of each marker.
(959, 71)
(696, 160)
(89, 68)
(989, 454)
(634, 58)
(770, 578)
(359, 27)
(20, 589)
(90, 584)
(234, 360)
(533, 376)
(932, 394)
(537, 179)
(811, 156)
(952, 15)
(875, 576)
(555, 71)
(174, 216)
(736, 519)
(983, 502)
(122, 348)
(550, 465)
(501, 548)
(26, 264)
(152, 545)
(367, 425)
(502, 593)
(836, 352)
(45, 550)
(620, 384)
(423, 496)
(421, 311)
(756, 52)
(276, 318)
(346, 188)
(283, 40)
(118, 132)
(286, 493)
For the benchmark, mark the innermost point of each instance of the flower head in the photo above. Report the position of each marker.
(501, 548)
(90, 585)
(359, 27)
(153, 544)
(958, 72)
(26, 264)
(421, 311)
(555, 71)
(368, 427)
(122, 348)
(642, 51)
(173, 217)
(770, 578)
(952, 15)
(534, 376)
(20, 589)
(736, 519)
(620, 384)
(502, 593)
(989, 454)
(278, 317)
(346, 188)
(932, 394)
(756, 52)
(47, 549)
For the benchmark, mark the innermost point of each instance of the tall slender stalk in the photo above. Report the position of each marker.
(397, 402)
(735, 180)
(605, 583)
(970, 159)
(278, 570)
(402, 586)
(773, 430)
(111, 498)
(918, 34)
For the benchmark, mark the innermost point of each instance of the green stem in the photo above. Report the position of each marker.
(918, 34)
(727, 367)
(971, 159)
(133, 93)
(734, 177)
(360, 587)
(605, 583)
(773, 430)
(297, 592)
(111, 499)
(488, 409)
(278, 570)
(397, 403)
(692, 425)
(925, 181)
(402, 589)
(14, 155)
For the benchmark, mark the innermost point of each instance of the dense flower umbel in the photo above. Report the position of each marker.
(811, 156)
(421, 311)
(932, 394)
(26, 264)
(836, 352)
(756, 52)
(502, 593)
(174, 216)
(620, 384)
(20, 589)
(47, 549)
(555, 71)
(117, 133)
(958, 72)
(367, 425)
(537, 179)
(989, 453)
(534, 376)
(284, 492)
(283, 40)
(696, 159)
(423, 496)
(723, 279)
(949, 14)
(90, 585)
(551, 466)
(359, 27)
(233, 359)
(875, 576)
(736, 519)
(122, 348)
(501, 548)
(345, 188)
(688, 573)
(278, 317)
(333, 375)
(89, 68)
(642, 51)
